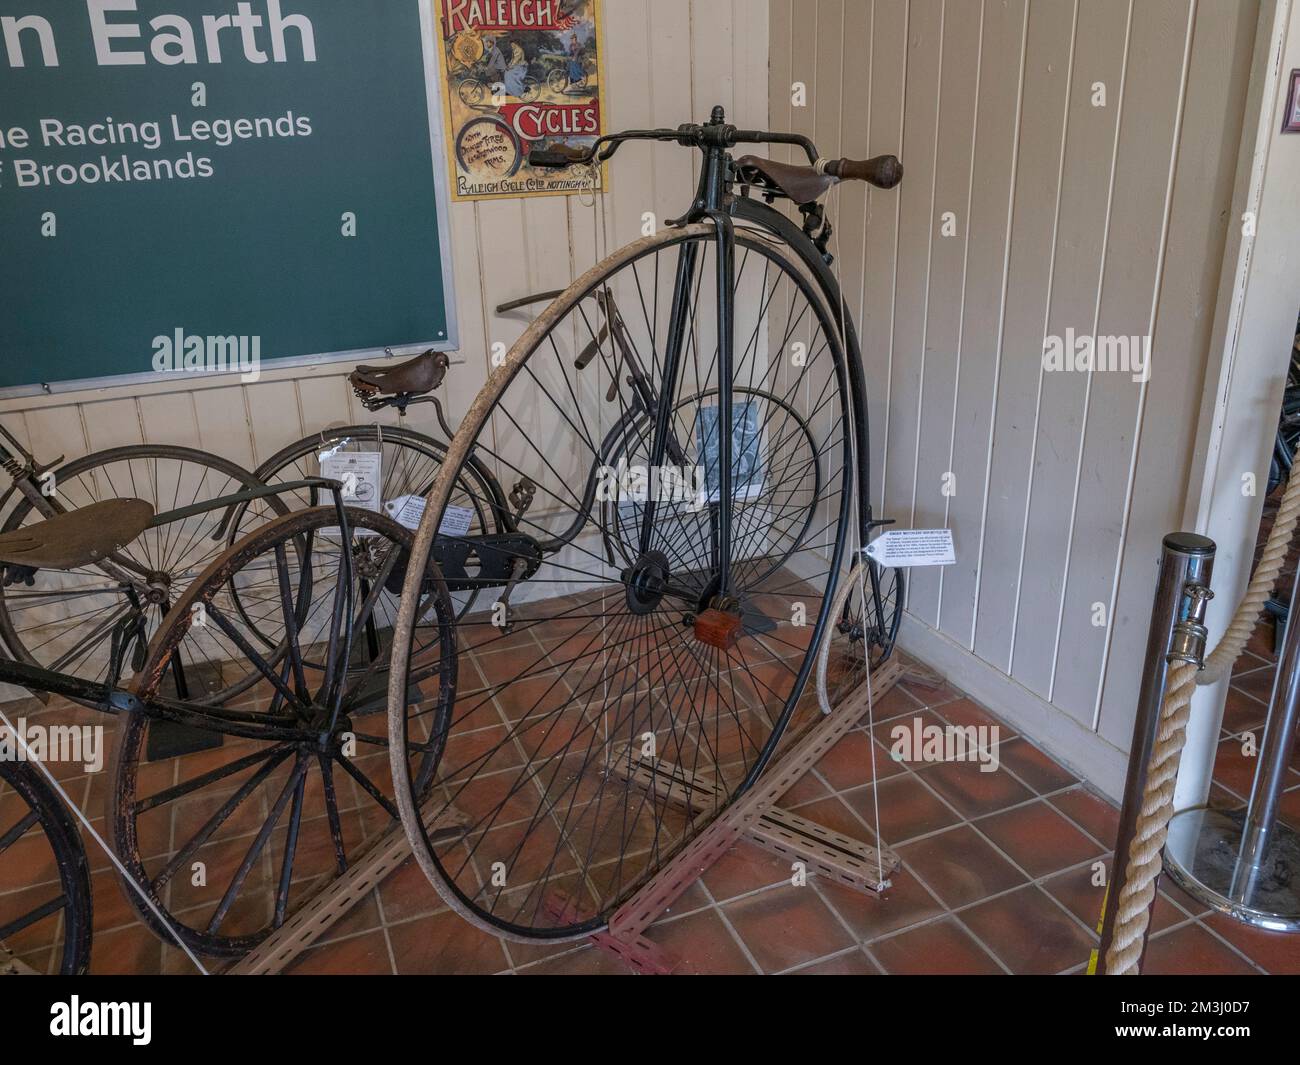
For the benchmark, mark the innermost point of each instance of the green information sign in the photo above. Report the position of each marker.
(199, 184)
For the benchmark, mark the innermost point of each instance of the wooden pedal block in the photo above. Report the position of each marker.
(718, 628)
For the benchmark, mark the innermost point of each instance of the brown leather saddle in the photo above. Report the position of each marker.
(802, 184)
(416, 376)
(76, 538)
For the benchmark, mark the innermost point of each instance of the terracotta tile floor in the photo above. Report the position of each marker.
(999, 876)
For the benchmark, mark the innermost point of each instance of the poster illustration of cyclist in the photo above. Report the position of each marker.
(520, 75)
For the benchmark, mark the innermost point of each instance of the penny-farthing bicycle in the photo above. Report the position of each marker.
(691, 415)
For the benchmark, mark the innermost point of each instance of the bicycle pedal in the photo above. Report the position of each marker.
(718, 628)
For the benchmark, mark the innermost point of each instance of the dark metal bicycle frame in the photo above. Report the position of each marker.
(114, 700)
(794, 237)
(716, 202)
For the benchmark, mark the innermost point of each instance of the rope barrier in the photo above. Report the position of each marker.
(1220, 661)
(1144, 858)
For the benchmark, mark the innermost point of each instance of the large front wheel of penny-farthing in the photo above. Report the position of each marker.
(227, 843)
(627, 691)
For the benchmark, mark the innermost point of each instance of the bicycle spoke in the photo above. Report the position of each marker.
(290, 847)
(223, 813)
(17, 831)
(255, 849)
(368, 786)
(332, 812)
(46, 909)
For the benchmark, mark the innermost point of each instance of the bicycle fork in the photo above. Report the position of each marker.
(663, 432)
(726, 356)
(663, 406)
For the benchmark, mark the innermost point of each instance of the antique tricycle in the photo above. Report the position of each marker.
(285, 642)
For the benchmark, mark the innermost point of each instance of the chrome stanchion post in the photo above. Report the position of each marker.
(1247, 865)
(1274, 754)
(1177, 631)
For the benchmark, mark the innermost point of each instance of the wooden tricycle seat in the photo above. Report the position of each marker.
(78, 537)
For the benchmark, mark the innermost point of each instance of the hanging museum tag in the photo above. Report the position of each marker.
(903, 548)
(359, 473)
(408, 510)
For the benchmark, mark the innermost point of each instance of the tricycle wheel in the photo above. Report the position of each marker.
(45, 901)
(228, 843)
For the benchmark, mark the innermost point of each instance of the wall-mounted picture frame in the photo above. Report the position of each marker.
(518, 76)
(1291, 116)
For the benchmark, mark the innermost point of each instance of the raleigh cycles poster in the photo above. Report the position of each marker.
(519, 75)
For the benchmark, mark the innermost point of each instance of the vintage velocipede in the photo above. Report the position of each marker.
(647, 635)
(216, 851)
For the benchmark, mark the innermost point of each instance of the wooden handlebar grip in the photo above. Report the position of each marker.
(884, 171)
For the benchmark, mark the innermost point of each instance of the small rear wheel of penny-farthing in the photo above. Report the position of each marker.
(227, 843)
(861, 637)
(636, 675)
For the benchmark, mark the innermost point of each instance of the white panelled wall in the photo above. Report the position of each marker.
(1106, 219)
(668, 62)
(1069, 166)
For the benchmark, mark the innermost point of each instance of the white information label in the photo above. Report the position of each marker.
(360, 472)
(455, 521)
(408, 510)
(902, 548)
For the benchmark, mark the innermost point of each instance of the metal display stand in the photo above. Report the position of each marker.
(11, 966)
(754, 817)
(1247, 865)
(311, 921)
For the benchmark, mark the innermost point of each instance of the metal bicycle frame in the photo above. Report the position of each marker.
(112, 699)
(716, 202)
(795, 238)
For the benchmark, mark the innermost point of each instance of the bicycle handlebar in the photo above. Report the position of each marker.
(690, 135)
(884, 171)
